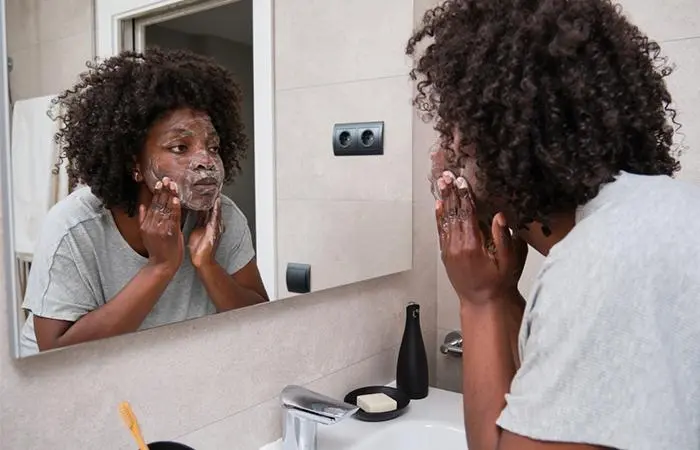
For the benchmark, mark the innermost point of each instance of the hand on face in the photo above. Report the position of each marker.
(478, 275)
(160, 226)
(204, 239)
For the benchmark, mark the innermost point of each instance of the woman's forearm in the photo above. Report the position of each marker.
(225, 291)
(488, 368)
(124, 313)
(514, 318)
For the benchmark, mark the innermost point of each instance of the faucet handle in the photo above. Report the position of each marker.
(315, 407)
(453, 344)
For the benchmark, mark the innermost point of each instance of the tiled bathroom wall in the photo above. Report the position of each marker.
(49, 42)
(214, 382)
(677, 29)
(347, 68)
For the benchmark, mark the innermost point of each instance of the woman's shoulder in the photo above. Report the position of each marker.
(231, 213)
(78, 208)
(233, 218)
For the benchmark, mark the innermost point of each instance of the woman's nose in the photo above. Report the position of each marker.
(205, 164)
(203, 161)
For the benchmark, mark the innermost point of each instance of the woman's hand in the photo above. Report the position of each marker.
(204, 239)
(477, 274)
(160, 227)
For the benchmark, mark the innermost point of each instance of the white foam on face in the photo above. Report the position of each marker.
(186, 179)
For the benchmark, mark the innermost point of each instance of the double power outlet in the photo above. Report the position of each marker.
(365, 138)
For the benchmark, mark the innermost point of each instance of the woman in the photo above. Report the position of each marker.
(555, 122)
(150, 239)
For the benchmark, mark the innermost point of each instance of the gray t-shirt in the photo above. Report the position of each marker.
(610, 340)
(82, 261)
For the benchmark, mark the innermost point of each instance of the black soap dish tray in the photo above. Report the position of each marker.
(402, 401)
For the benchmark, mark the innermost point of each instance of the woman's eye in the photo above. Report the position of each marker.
(178, 148)
(214, 149)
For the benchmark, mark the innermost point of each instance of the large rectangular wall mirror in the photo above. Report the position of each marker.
(91, 156)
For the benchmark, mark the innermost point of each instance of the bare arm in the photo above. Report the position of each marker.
(488, 368)
(125, 312)
(515, 308)
(233, 291)
(122, 314)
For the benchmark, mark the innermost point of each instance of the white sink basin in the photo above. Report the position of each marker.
(415, 435)
(435, 422)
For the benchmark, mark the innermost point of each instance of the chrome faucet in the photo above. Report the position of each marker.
(303, 411)
(453, 344)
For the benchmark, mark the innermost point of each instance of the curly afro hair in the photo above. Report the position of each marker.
(556, 96)
(106, 116)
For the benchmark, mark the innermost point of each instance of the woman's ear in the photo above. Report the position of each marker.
(136, 173)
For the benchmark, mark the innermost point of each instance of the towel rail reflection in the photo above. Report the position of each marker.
(24, 265)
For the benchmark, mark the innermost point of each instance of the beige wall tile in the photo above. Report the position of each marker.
(447, 300)
(242, 431)
(378, 369)
(420, 7)
(343, 241)
(306, 165)
(62, 61)
(191, 374)
(22, 24)
(59, 19)
(449, 367)
(25, 78)
(662, 20)
(325, 42)
(685, 90)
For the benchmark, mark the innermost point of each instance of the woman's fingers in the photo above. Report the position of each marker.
(456, 215)
(468, 217)
(164, 214)
(158, 200)
(502, 240)
(217, 211)
(441, 223)
(175, 208)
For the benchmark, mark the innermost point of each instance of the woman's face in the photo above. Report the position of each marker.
(183, 145)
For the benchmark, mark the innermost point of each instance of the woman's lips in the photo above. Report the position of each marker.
(207, 181)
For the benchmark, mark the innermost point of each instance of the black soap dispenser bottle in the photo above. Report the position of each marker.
(412, 366)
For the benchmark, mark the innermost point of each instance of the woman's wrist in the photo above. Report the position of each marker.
(163, 270)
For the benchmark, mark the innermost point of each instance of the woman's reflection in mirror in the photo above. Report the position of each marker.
(149, 239)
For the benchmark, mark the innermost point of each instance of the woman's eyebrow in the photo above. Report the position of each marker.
(181, 132)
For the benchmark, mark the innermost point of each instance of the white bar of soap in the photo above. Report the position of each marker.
(376, 403)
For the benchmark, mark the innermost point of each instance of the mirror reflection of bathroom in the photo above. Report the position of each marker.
(85, 237)
(109, 98)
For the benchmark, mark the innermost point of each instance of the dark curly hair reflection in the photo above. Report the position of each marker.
(557, 97)
(106, 116)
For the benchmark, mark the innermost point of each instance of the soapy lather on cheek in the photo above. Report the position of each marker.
(192, 195)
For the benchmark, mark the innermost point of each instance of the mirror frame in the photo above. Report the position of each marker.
(105, 45)
(8, 231)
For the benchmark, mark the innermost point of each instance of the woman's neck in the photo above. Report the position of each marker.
(559, 226)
